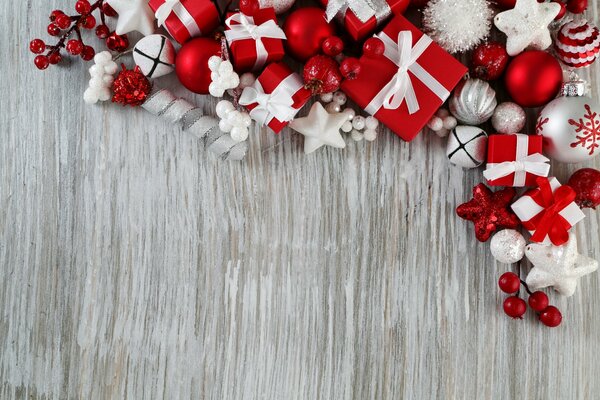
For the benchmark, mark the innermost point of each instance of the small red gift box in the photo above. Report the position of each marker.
(548, 212)
(276, 96)
(254, 41)
(515, 160)
(405, 87)
(361, 18)
(186, 19)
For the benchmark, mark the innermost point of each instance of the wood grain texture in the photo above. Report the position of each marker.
(136, 266)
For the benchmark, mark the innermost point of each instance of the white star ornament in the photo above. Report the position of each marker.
(320, 128)
(526, 25)
(134, 15)
(558, 266)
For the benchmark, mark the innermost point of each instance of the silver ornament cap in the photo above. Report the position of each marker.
(575, 88)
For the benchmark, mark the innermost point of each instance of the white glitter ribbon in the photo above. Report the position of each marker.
(277, 105)
(245, 28)
(175, 6)
(363, 9)
(400, 87)
(535, 164)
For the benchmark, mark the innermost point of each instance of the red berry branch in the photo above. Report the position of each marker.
(65, 26)
(515, 307)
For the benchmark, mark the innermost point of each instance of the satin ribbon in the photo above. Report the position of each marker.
(400, 87)
(535, 164)
(549, 222)
(363, 9)
(175, 6)
(246, 28)
(276, 105)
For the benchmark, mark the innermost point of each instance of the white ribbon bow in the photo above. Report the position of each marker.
(175, 6)
(363, 9)
(245, 28)
(535, 164)
(276, 105)
(400, 88)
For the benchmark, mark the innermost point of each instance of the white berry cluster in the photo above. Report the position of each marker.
(222, 75)
(357, 126)
(102, 73)
(442, 123)
(234, 122)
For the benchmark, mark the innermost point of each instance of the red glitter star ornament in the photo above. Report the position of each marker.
(489, 211)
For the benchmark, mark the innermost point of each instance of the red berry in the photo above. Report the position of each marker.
(108, 10)
(54, 58)
(374, 47)
(586, 183)
(551, 317)
(63, 21)
(577, 6)
(53, 29)
(41, 62)
(37, 46)
(249, 7)
(489, 61)
(350, 68)
(514, 307)
(509, 282)
(538, 301)
(563, 9)
(118, 43)
(55, 13)
(83, 7)
(332, 46)
(88, 22)
(102, 31)
(88, 53)
(74, 47)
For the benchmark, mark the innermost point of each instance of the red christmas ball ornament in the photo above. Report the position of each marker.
(489, 61)
(577, 43)
(538, 301)
(509, 282)
(306, 30)
(191, 64)
(506, 4)
(551, 317)
(586, 184)
(249, 7)
(131, 87)
(533, 78)
(373, 47)
(577, 6)
(514, 307)
(350, 68)
(333, 46)
(322, 75)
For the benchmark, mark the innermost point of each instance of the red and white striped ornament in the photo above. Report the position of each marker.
(578, 43)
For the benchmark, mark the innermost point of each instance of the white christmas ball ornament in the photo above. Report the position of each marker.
(570, 125)
(473, 102)
(467, 146)
(280, 6)
(155, 55)
(509, 118)
(508, 246)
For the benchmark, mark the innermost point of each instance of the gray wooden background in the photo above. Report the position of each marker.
(134, 265)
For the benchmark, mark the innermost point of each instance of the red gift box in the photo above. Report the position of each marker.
(408, 84)
(515, 160)
(186, 19)
(254, 41)
(275, 97)
(360, 18)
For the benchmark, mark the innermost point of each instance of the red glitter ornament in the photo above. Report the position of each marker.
(489, 211)
(586, 183)
(131, 87)
(322, 75)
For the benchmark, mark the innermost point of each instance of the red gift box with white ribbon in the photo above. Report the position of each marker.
(275, 97)
(515, 160)
(186, 19)
(404, 87)
(361, 18)
(548, 212)
(255, 41)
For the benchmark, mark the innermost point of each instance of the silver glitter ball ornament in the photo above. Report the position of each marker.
(473, 102)
(509, 118)
(508, 246)
(467, 146)
(280, 6)
(570, 126)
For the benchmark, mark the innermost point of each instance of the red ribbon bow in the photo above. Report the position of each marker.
(549, 222)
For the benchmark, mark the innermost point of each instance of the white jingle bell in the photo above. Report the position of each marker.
(467, 146)
(155, 55)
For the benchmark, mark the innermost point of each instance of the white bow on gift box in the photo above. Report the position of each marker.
(363, 9)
